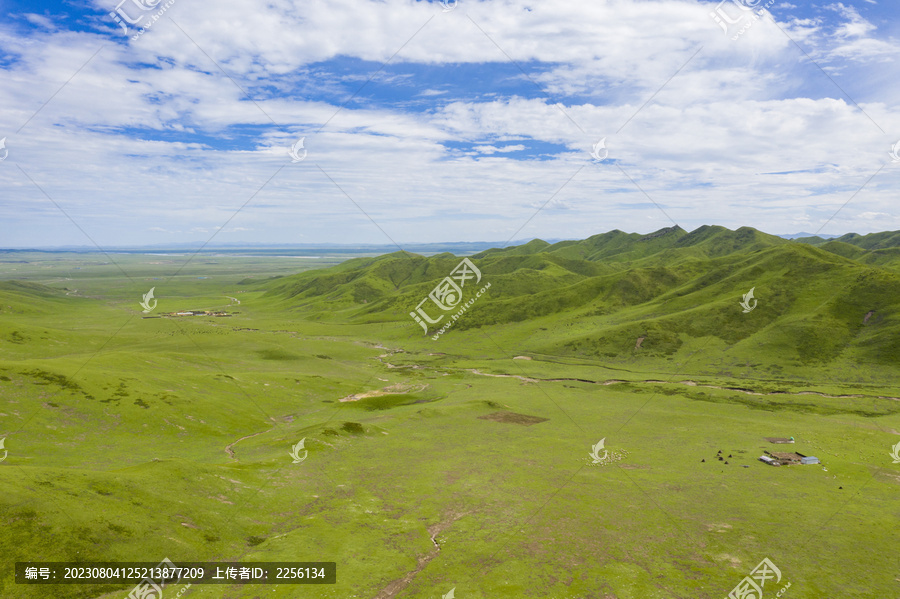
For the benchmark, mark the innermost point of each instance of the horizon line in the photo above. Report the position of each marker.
(350, 245)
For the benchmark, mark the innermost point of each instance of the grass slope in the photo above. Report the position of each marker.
(138, 439)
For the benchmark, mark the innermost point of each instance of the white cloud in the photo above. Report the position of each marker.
(40, 20)
(854, 39)
(489, 149)
(705, 146)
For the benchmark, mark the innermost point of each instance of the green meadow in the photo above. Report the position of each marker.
(463, 462)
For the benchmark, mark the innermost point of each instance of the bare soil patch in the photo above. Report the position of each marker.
(513, 418)
(395, 389)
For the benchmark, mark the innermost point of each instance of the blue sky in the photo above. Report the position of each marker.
(426, 123)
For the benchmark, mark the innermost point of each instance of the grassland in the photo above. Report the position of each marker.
(135, 439)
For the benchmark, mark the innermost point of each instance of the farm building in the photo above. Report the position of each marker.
(197, 313)
(784, 458)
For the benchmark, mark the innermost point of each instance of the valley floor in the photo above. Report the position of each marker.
(431, 469)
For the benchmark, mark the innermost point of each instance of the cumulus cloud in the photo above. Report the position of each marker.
(446, 126)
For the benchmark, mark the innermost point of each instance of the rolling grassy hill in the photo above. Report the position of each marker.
(462, 462)
(826, 308)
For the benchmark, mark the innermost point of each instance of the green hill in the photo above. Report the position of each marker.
(870, 241)
(873, 241)
(881, 249)
(674, 290)
(133, 436)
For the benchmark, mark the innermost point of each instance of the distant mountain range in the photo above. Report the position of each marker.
(264, 249)
(799, 235)
(823, 304)
(820, 309)
(458, 247)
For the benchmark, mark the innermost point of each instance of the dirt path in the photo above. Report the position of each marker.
(230, 451)
(524, 379)
(392, 589)
(689, 383)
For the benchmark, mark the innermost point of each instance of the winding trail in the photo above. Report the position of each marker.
(230, 451)
(689, 383)
(394, 588)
